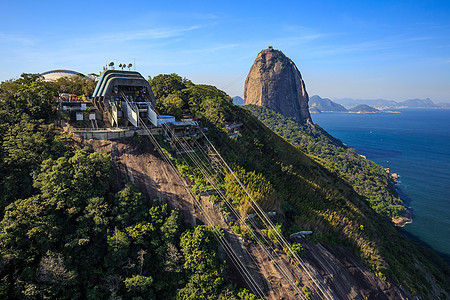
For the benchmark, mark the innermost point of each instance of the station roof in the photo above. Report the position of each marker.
(111, 78)
(56, 74)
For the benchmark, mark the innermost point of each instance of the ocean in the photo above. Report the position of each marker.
(415, 144)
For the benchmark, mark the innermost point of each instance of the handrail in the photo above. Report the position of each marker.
(107, 129)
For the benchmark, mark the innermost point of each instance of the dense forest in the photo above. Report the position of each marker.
(368, 179)
(68, 233)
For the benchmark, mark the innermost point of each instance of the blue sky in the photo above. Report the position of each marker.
(361, 49)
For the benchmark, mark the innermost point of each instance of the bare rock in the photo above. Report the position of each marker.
(275, 82)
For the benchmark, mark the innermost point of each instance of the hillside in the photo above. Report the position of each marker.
(308, 196)
(313, 198)
(417, 103)
(444, 105)
(363, 109)
(318, 104)
(366, 177)
(137, 162)
(83, 229)
(331, 154)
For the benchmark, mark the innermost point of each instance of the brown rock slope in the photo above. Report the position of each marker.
(338, 270)
(275, 82)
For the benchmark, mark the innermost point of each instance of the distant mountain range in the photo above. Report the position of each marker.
(391, 104)
(318, 104)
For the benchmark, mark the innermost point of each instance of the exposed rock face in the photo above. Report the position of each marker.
(275, 82)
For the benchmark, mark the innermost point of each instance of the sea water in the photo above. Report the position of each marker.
(414, 143)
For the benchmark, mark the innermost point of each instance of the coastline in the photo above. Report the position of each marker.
(411, 144)
(402, 221)
(406, 217)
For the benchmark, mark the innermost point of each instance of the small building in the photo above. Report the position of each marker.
(124, 97)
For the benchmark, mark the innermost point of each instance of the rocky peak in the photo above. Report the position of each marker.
(275, 82)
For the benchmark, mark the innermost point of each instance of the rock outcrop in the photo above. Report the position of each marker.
(275, 82)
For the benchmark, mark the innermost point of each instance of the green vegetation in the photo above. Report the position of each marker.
(315, 198)
(367, 178)
(77, 85)
(313, 194)
(67, 232)
(174, 93)
(173, 105)
(306, 292)
(297, 248)
(273, 232)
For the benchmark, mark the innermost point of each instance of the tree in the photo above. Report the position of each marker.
(27, 95)
(127, 208)
(52, 270)
(201, 261)
(165, 84)
(139, 286)
(70, 182)
(25, 145)
(29, 78)
(35, 100)
(78, 85)
(208, 103)
(172, 105)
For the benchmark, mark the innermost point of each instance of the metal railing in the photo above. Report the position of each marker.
(73, 129)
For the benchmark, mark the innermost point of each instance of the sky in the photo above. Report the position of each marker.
(393, 50)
